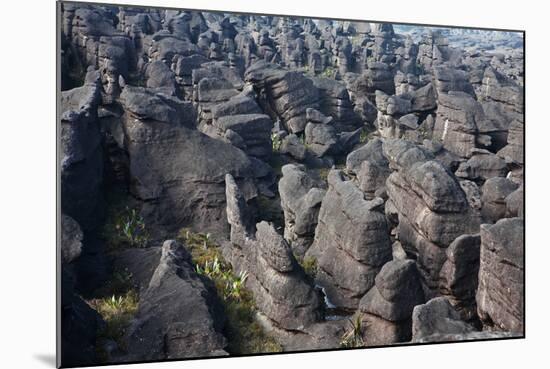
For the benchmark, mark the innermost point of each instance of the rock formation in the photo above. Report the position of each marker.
(351, 242)
(347, 172)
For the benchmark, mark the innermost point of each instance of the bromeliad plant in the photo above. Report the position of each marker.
(230, 285)
(354, 336)
(245, 335)
(276, 142)
(125, 228)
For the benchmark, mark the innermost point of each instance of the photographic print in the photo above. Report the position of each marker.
(241, 184)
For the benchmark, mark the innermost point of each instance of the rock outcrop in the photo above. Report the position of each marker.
(281, 289)
(432, 208)
(301, 199)
(227, 125)
(177, 191)
(178, 316)
(499, 297)
(387, 308)
(459, 275)
(285, 94)
(81, 154)
(351, 242)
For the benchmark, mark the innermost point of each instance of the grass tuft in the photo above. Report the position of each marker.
(354, 336)
(117, 311)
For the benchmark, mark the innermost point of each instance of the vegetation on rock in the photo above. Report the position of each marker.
(243, 332)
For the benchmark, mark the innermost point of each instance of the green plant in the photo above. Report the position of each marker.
(309, 264)
(276, 142)
(364, 136)
(245, 335)
(202, 247)
(354, 336)
(124, 228)
(235, 285)
(119, 283)
(117, 311)
(323, 173)
(329, 72)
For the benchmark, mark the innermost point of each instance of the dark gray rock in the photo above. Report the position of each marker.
(288, 94)
(514, 203)
(71, 239)
(301, 200)
(482, 166)
(371, 151)
(79, 326)
(501, 273)
(432, 208)
(388, 306)
(178, 315)
(321, 139)
(177, 191)
(351, 242)
(81, 155)
(459, 275)
(450, 79)
(437, 317)
(281, 289)
(493, 197)
(292, 146)
(458, 117)
(159, 75)
(254, 129)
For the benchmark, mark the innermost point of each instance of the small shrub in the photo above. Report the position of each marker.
(354, 336)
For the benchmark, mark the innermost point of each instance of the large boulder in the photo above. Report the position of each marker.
(436, 320)
(481, 166)
(253, 129)
(493, 198)
(501, 275)
(457, 121)
(79, 322)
